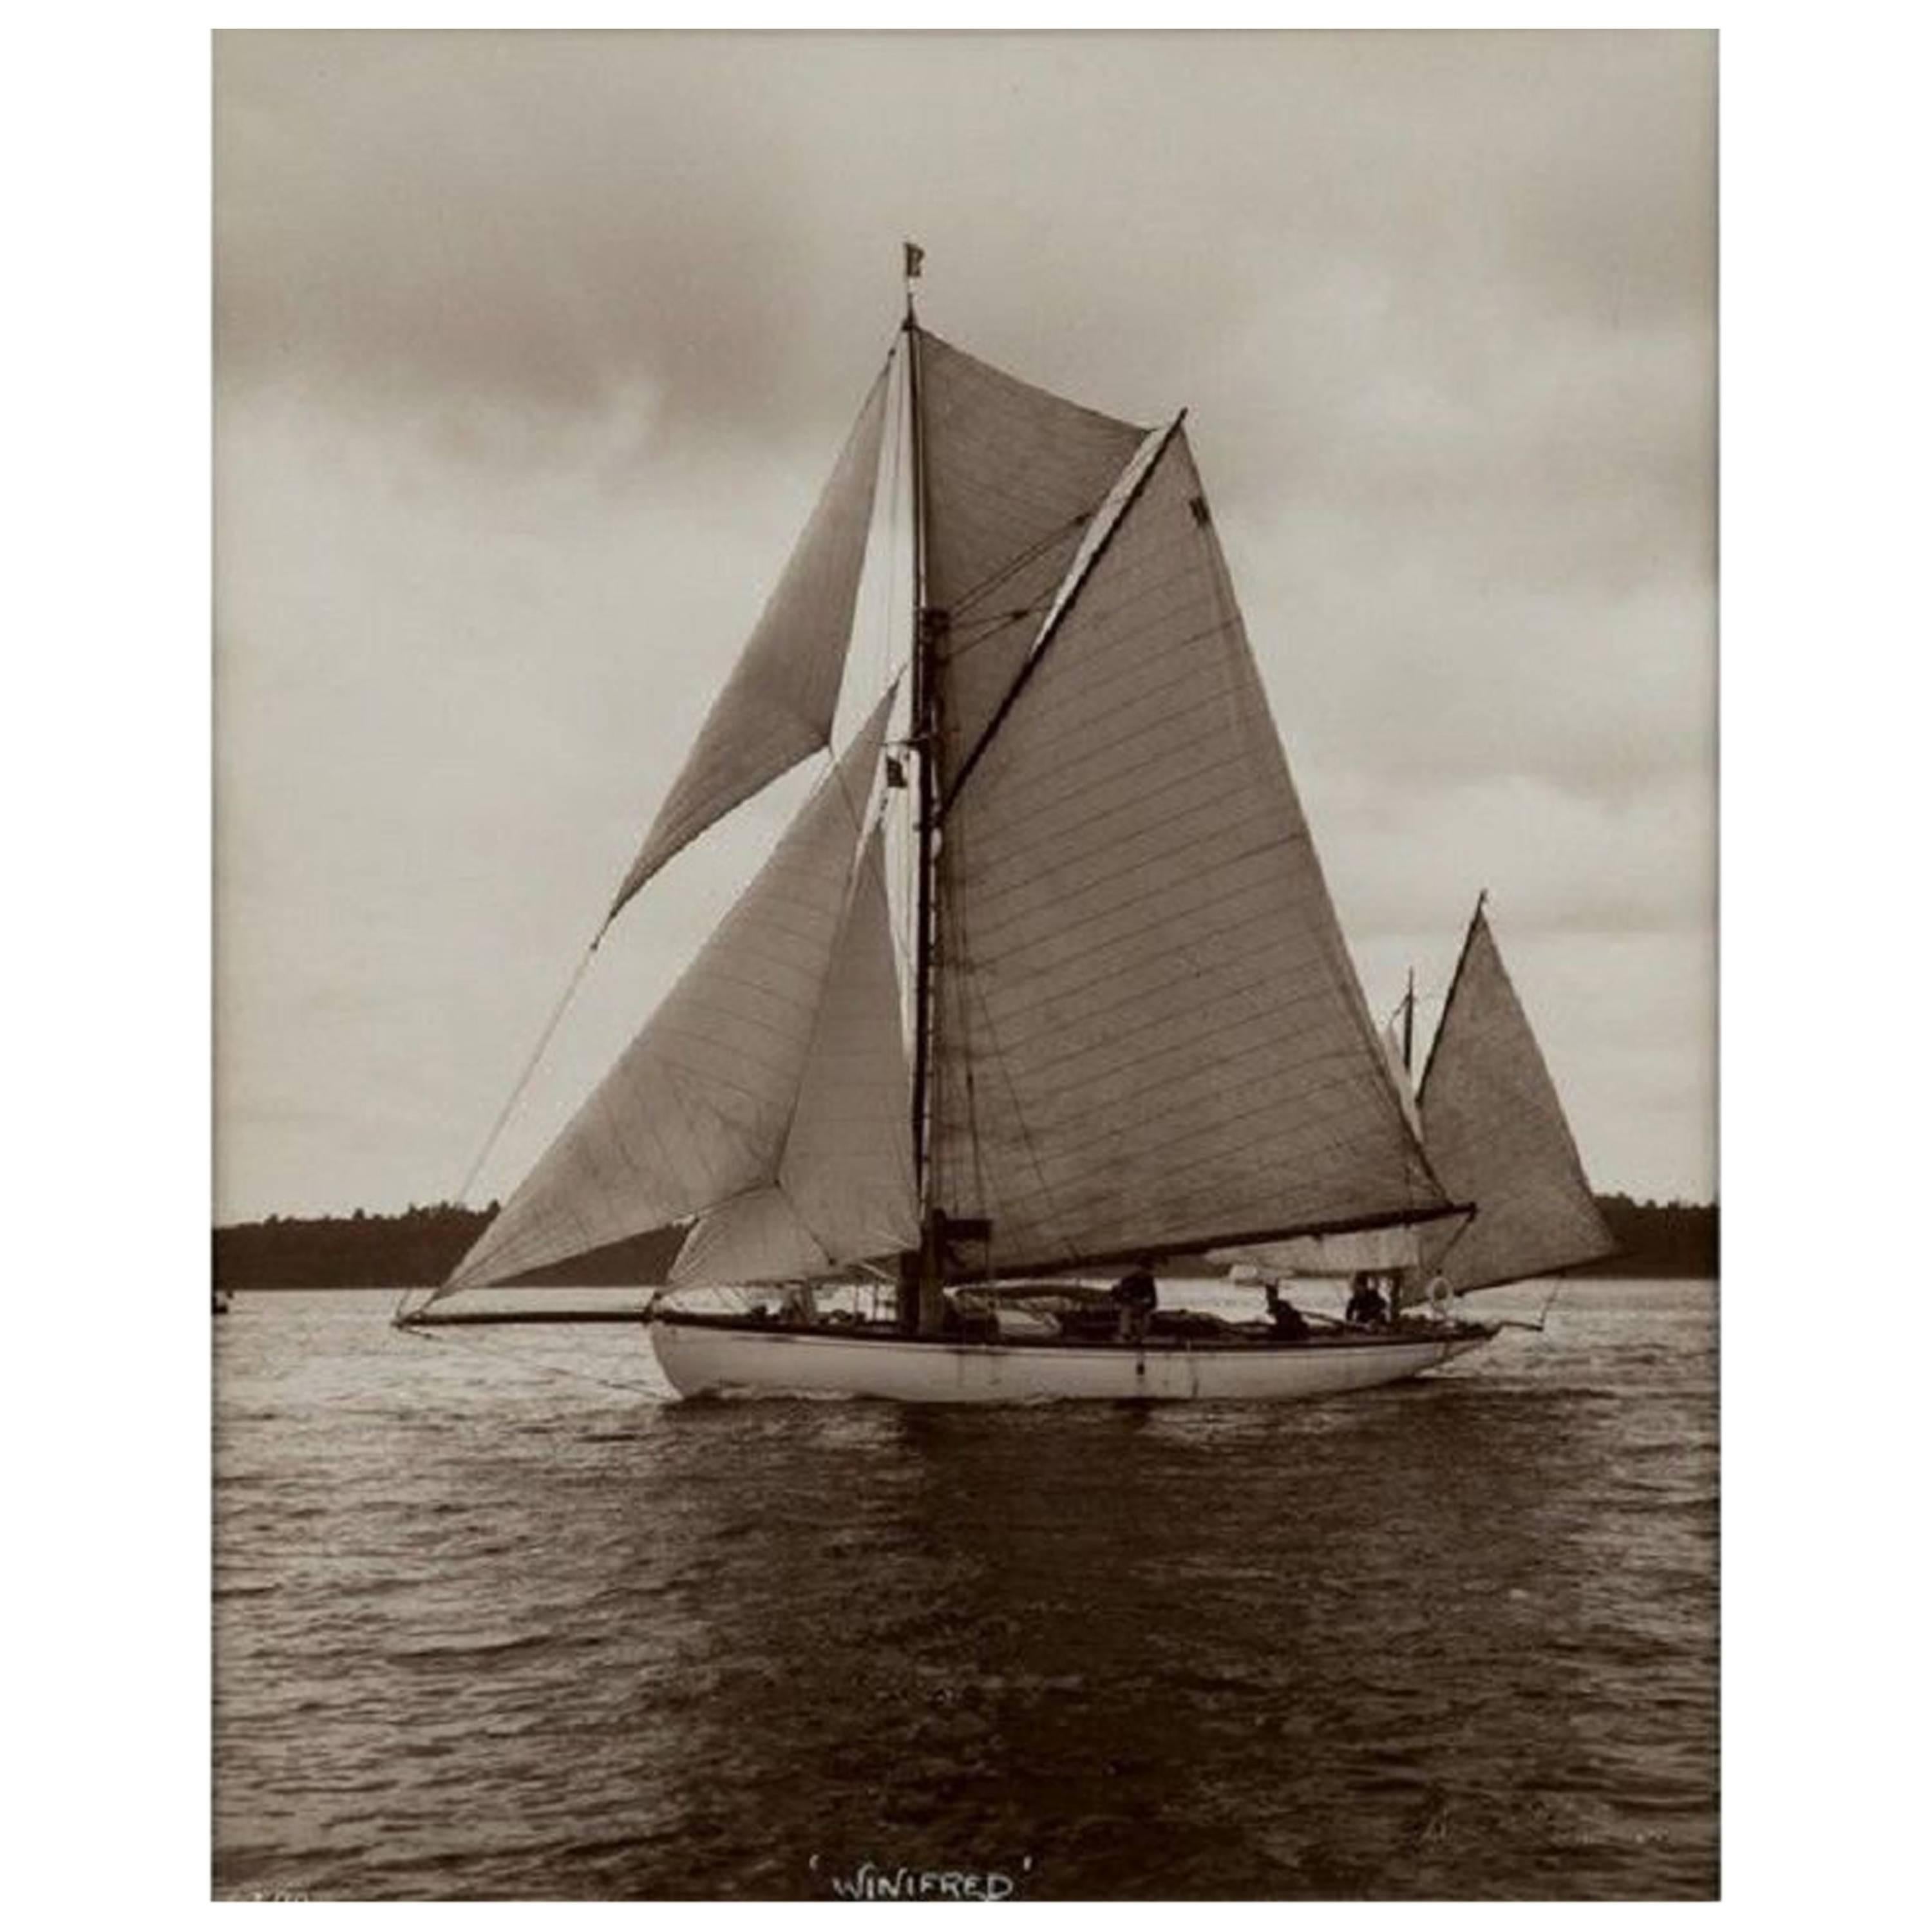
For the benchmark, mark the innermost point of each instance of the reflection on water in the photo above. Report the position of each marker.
(486, 1628)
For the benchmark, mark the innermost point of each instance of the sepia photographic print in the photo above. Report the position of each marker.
(965, 997)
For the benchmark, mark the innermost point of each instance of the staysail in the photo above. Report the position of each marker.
(841, 1189)
(1496, 1135)
(1149, 1032)
(697, 1108)
(778, 705)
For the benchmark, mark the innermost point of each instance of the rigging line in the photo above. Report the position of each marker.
(427, 1332)
(989, 628)
(1006, 613)
(522, 1080)
(1449, 1246)
(993, 623)
(1422, 1000)
(1081, 573)
(1032, 553)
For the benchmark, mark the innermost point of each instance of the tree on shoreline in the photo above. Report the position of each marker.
(419, 1247)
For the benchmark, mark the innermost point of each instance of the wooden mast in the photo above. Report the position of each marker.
(921, 1300)
(1405, 1277)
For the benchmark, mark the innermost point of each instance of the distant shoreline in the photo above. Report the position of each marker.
(418, 1248)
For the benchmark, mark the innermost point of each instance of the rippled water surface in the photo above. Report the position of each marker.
(493, 1618)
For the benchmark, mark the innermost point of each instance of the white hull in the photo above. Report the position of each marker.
(702, 1358)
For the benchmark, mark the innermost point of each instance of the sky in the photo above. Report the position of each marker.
(533, 351)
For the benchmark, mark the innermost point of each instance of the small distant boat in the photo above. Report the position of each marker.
(1127, 1027)
(1489, 1115)
(224, 1299)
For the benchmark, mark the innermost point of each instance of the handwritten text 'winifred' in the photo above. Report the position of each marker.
(872, 1881)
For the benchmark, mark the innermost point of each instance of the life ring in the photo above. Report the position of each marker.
(1440, 1296)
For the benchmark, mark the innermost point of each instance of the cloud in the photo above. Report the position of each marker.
(533, 350)
(553, 218)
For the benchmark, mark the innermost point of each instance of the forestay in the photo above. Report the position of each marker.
(1149, 1030)
(1496, 1135)
(697, 1109)
(778, 705)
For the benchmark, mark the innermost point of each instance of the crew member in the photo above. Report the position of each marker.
(1136, 1296)
(1289, 1325)
(1367, 1308)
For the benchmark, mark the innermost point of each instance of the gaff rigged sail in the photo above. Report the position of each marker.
(1149, 1030)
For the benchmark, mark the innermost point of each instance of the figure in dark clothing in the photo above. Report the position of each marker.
(1137, 1297)
(1289, 1325)
(1366, 1309)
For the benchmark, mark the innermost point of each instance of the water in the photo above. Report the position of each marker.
(485, 1628)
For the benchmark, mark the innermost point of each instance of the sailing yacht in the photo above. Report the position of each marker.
(1111, 1018)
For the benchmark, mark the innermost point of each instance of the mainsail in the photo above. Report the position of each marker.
(1149, 1030)
(1496, 1135)
(778, 705)
(698, 1108)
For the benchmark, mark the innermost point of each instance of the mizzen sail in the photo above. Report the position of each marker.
(1496, 1133)
(698, 1107)
(778, 705)
(1149, 1030)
